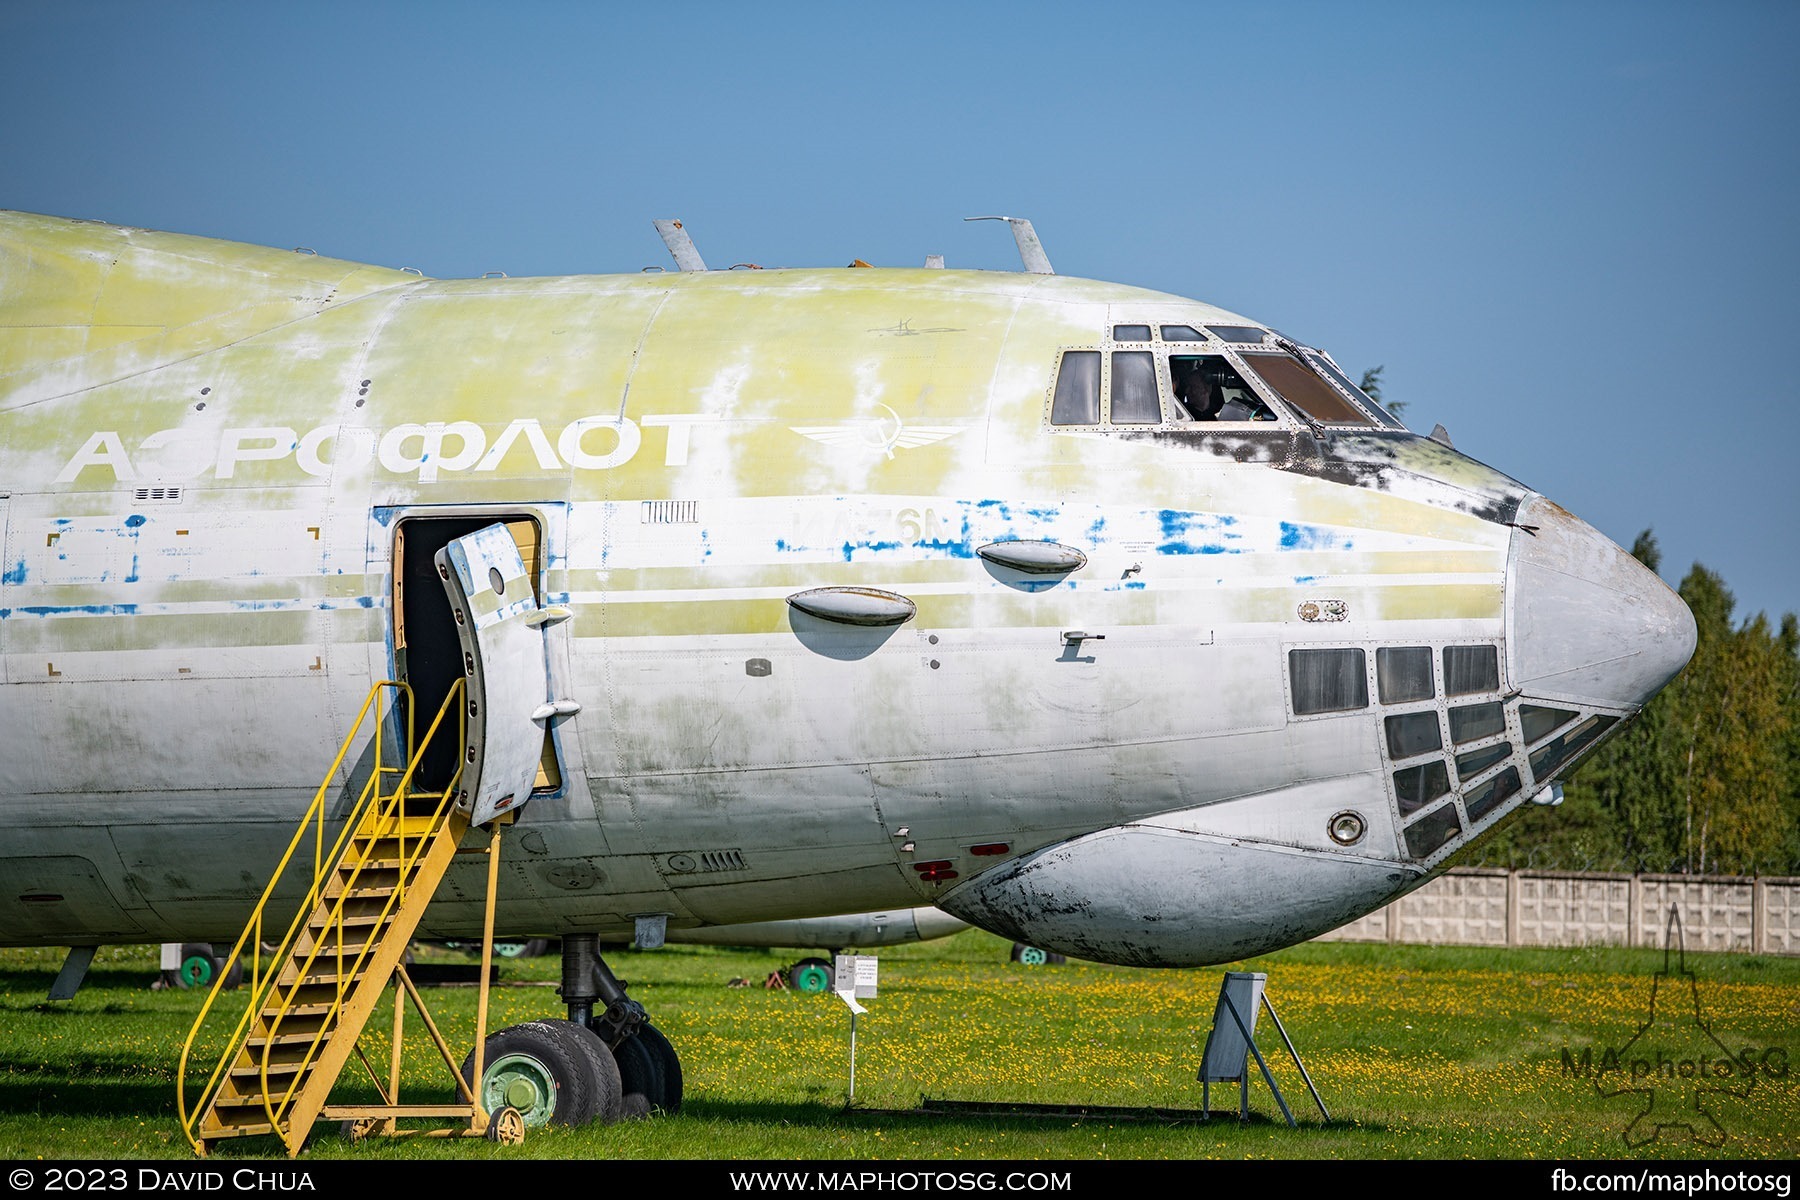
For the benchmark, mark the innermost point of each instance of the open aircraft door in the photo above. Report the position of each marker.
(506, 668)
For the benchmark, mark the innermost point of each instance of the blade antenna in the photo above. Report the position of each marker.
(680, 245)
(1031, 251)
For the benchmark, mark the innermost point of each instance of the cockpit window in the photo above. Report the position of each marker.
(1361, 397)
(1131, 333)
(1077, 399)
(1305, 389)
(1182, 333)
(1134, 397)
(1236, 333)
(1208, 388)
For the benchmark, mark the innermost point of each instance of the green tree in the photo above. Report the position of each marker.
(1371, 386)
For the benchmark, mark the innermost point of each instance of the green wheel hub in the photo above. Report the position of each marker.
(196, 971)
(812, 979)
(1031, 956)
(520, 1081)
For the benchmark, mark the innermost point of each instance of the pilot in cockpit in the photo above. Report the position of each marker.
(1208, 389)
(1196, 388)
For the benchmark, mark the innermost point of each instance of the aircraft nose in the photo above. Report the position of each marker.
(1586, 622)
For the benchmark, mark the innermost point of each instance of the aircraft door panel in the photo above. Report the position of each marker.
(500, 628)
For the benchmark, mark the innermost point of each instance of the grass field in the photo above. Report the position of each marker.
(1418, 1052)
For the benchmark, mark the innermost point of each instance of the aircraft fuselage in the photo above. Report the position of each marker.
(1303, 661)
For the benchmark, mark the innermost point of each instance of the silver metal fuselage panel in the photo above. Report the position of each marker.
(178, 672)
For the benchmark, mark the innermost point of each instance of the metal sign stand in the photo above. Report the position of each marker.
(854, 978)
(1229, 1047)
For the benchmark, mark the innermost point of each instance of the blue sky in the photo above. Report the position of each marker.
(1566, 231)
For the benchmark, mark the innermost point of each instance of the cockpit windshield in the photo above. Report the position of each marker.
(1311, 384)
(1208, 388)
(1181, 375)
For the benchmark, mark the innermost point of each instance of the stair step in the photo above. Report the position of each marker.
(308, 1010)
(311, 1037)
(323, 974)
(231, 1131)
(252, 1076)
(351, 920)
(386, 862)
(237, 1105)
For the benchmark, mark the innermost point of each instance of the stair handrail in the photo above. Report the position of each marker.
(439, 815)
(314, 821)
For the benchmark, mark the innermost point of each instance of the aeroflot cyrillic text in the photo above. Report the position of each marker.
(430, 450)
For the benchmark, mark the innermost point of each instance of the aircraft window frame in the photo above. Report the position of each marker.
(1181, 416)
(1092, 402)
(1359, 676)
(1275, 354)
(1413, 786)
(1410, 734)
(1549, 759)
(1487, 795)
(1122, 333)
(1334, 375)
(1110, 390)
(1226, 333)
(1404, 674)
(1199, 338)
(1458, 679)
(1431, 824)
(1171, 415)
(1478, 760)
(1471, 724)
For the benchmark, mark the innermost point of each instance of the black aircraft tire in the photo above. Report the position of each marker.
(640, 1077)
(551, 1077)
(200, 967)
(668, 1061)
(609, 1091)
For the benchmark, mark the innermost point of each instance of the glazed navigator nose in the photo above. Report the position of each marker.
(1587, 623)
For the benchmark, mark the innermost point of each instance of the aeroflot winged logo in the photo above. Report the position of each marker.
(881, 434)
(440, 449)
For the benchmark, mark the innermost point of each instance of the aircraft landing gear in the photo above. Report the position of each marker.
(649, 1069)
(553, 1072)
(811, 976)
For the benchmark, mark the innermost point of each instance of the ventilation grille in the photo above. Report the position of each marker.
(671, 512)
(157, 495)
(722, 860)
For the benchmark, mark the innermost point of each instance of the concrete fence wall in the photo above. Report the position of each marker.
(1479, 907)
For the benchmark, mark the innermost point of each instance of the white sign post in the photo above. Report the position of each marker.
(855, 978)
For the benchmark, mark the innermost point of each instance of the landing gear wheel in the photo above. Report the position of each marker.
(669, 1061)
(811, 976)
(553, 1072)
(640, 1078)
(650, 1069)
(526, 948)
(199, 967)
(507, 1126)
(608, 1090)
(1031, 956)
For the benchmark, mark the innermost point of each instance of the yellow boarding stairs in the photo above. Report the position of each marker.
(311, 996)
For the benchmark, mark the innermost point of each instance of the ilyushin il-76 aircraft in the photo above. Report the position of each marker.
(1102, 619)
